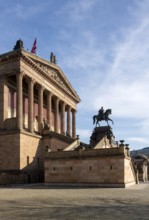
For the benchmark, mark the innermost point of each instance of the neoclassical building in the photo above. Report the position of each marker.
(35, 95)
(38, 140)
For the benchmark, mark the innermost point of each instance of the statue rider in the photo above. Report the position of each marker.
(101, 113)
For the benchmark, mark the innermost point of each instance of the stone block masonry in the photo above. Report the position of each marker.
(102, 167)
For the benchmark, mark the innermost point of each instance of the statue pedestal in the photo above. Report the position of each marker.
(99, 133)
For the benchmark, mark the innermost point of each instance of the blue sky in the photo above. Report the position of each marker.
(103, 48)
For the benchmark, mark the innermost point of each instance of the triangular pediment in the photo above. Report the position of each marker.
(54, 73)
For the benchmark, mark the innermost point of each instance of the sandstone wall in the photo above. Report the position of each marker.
(31, 158)
(9, 151)
(108, 167)
(21, 158)
(55, 142)
(129, 172)
(31, 152)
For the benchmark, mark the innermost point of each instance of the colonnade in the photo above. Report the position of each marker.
(65, 126)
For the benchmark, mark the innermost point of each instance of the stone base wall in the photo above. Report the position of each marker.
(129, 172)
(54, 141)
(8, 177)
(31, 152)
(20, 177)
(94, 167)
(21, 158)
(9, 151)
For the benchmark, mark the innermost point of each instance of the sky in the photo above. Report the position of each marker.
(102, 46)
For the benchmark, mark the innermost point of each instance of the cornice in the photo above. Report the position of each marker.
(9, 56)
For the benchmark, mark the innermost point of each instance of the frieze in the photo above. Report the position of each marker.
(54, 75)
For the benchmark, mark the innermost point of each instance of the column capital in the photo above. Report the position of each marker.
(21, 73)
(30, 80)
(40, 87)
(63, 103)
(57, 98)
(49, 93)
(3, 77)
(74, 110)
(68, 107)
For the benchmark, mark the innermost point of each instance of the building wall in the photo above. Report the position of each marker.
(89, 170)
(3, 102)
(9, 158)
(31, 152)
(9, 151)
(21, 158)
(54, 142)
(129, 172)
(103, 170)
(24, 75)
(31, 158)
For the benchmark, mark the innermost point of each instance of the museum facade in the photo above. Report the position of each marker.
(34, 94)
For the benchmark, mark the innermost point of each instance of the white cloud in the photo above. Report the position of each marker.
(127, 100)
(138, 139)
(76, 10)
(143, 125)
(85, 53)
(125, 86)
(117, 77)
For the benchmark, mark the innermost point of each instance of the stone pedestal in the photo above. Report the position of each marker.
(99, 133)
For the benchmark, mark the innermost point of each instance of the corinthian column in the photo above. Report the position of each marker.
(49, 108)
(19, 100)
(63, 118)
(3, 100)
(74, 124)
(56, 127)
(30, 104)
(68, 121)
(40, 109)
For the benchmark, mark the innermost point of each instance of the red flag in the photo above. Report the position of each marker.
(33, 50)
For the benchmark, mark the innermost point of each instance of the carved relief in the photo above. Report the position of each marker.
(54, 75)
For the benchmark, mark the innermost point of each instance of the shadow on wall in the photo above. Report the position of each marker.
(21, 158)
(22, 155)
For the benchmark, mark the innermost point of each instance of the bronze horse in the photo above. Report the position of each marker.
(105, 117)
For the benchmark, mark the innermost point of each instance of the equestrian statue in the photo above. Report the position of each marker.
(102, 116)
